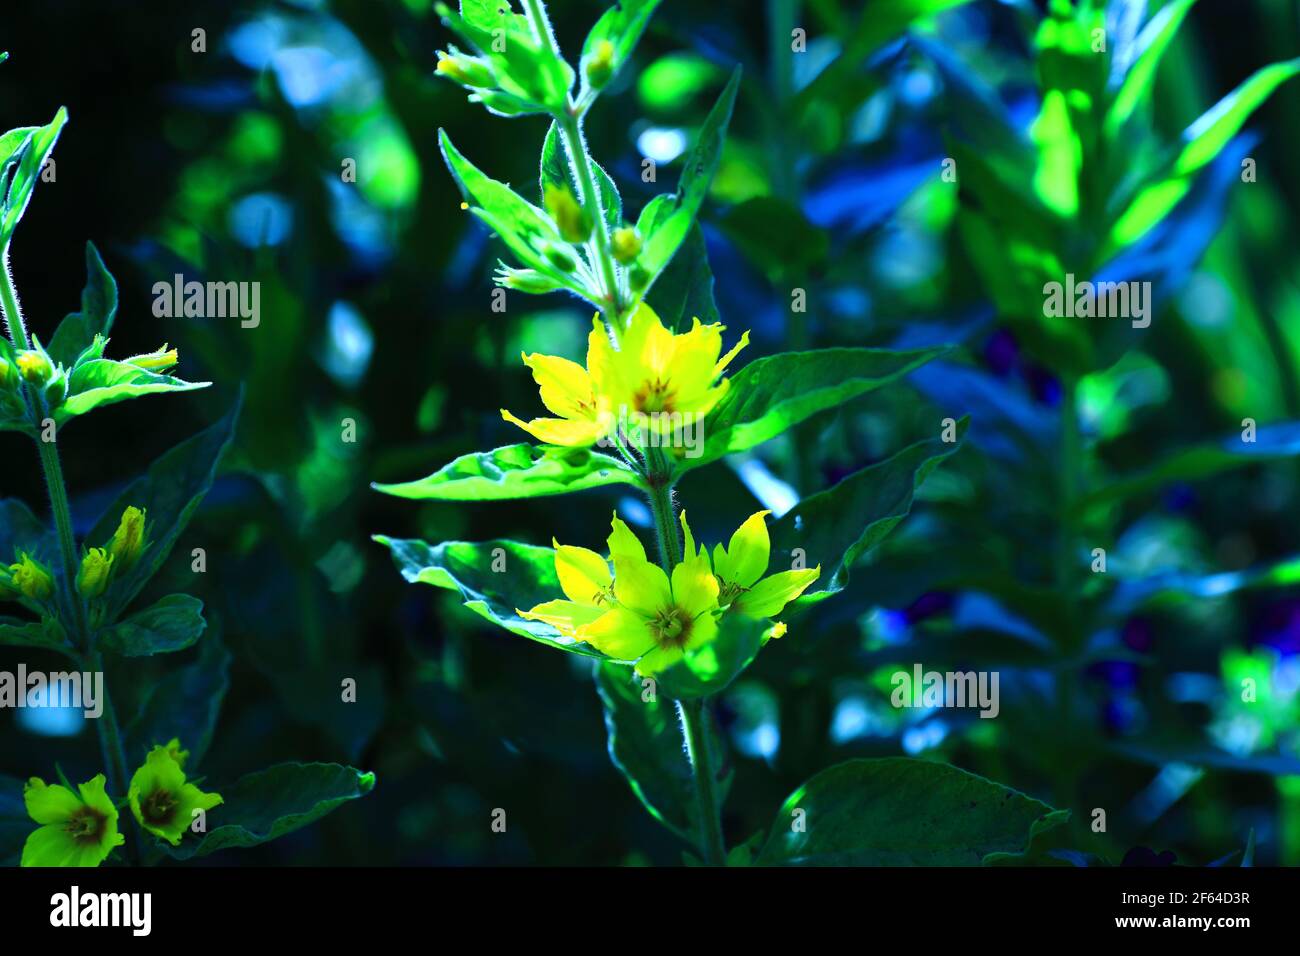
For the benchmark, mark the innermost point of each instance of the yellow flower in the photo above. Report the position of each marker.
(96, 569)
(655, 379)
(35, 367)
(586, 581)
(569, 390)
(128, 539)
(661, 378)
(161, 799)
(74, 830)
(31, 578)
(740, 567)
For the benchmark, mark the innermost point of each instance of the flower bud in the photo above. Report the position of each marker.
(627, 244)
(35, 366)
(638, 277)
(31, 578)
(56, 389)
(158, 360)
(96, 570)
(600, 68)
(128, 539)
(558, 257)
(525, 280)
(465, 70)
(573, 221)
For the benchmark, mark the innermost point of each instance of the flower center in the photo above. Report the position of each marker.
(671, 627)
(603, 595)
(728, 592)
(158, 807)
(85, 825)
(656, 396)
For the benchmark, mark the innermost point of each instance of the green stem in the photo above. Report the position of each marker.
(109, 731)
(694, 717)
(660, 493)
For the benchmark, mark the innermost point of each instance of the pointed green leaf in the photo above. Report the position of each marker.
(76, 333)
(557, 170)
(775, 393)
(896, 811)
(622, 25)
(45, 634)
(184, 704)
(517, 471)
(104, 382)
(526, 578)
(266, 805)
(666, 220)
(18, 174)
(173, 624)
(169, 492)
(1151, 45)
(833, 528)
(684, 290)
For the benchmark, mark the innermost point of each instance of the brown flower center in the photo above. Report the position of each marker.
(671, 627)
(85, 825)
(656, 396)
(159, 807)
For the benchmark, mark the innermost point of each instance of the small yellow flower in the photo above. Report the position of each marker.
(96, 570)
(586, 581)
(31, 578)
(158, 360)
(627, 244)
(35, 367)
(162, 800)
(568, 390)
(128, 539)
(740, 567)
(74, 830)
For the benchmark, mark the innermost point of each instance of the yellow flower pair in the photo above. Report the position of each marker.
(653, 380)
(80, 829)
(637, 612)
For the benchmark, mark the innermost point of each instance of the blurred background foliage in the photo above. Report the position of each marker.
(1120, 692)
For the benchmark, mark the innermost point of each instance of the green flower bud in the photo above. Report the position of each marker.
(465, 70)
(573, 221)
(96, 570)
(128, 539)
(159, 360)
(35, 366)
(600, 68)
(558, 257)
(525, 280)
(638, 277)
(31, 578)
(627, 244)
(56, 389)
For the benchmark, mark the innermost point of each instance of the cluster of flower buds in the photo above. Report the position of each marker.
(29, 578)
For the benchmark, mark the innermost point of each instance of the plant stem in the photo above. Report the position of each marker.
(694, 719)
(109, 731)
(660, 494)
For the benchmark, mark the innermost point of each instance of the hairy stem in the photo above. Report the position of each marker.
(660, 494)
(694, 717)
(9, 303)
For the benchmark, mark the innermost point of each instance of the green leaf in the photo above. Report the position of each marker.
(1202, 141)
(523, 227)
(266, 805)
(896, 811)
(645, 744)
(527, 578)
(19, 173)
(104, 382)
(622, 25)
(833, 528)
(76, 333)
(557, 170)
(666, 220)
(45, 634)
(775, 393)
(684, 290)
(20, 530)
(517, 471)
(1151, 45)
(170, 492)
(173, 624)
(183, 704)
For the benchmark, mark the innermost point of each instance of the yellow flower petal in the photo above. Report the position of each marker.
(695, 589)
(558, 431)
(623, 541)
(584, 575)
(567, 617)
(641, 586)
(748, 551)
(770, 595)
(620, 633)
